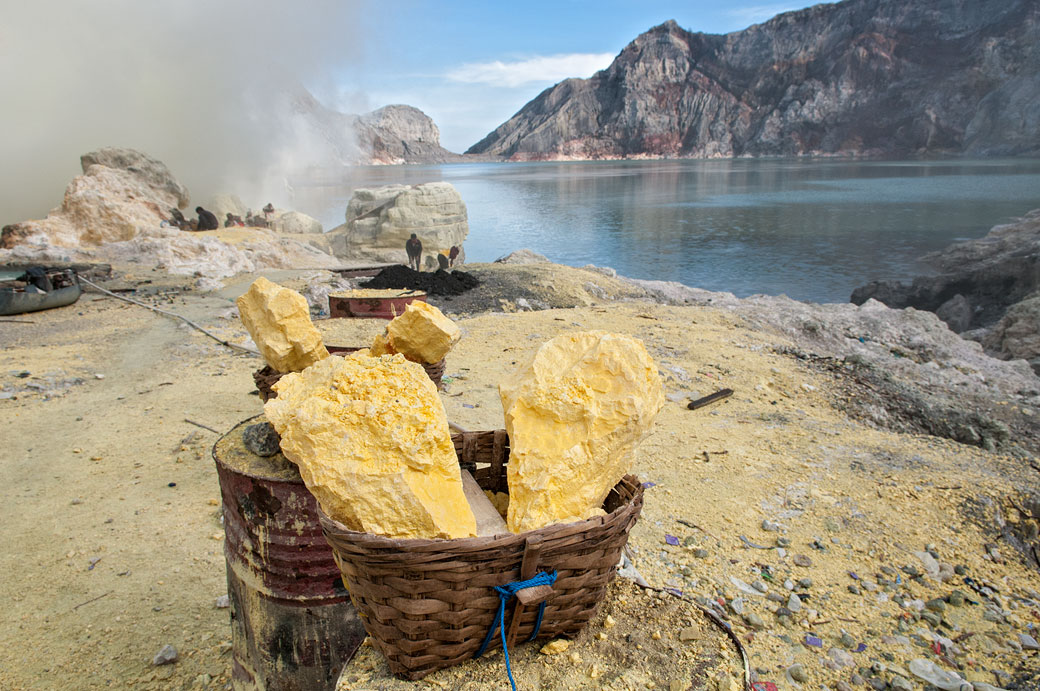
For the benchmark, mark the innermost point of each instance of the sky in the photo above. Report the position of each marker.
(472, 65)
(190, 82)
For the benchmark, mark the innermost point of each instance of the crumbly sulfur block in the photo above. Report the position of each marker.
(422, 333)
(279, 321)
(575, 412)
(371, 439)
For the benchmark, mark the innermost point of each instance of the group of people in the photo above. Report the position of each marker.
(414, 248)
(207, 220)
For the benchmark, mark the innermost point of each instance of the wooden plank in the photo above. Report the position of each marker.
(489, 521)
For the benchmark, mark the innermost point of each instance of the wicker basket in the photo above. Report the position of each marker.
(266, 377)
(428, 604)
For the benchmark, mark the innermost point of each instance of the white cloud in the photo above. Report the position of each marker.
(761, 13)
(546, 68)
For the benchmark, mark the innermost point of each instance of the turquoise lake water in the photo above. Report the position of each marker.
(813, 230)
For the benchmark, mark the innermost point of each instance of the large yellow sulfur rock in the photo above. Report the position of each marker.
(371, 439)
(422, 333)
(279, 321)
(574, 413)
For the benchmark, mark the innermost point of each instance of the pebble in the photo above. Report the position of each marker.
(555, 647)
(898, 683)
(960, 569)
(936, 605)
(1028, 642)
(222, 602)
(798, 673)
(775, 597)
(956, 598)
(804, 582)
(754, 621)
(854, 589)
(848, 641)
(842, 686)
(783, 541)
(802, 560)
(789, 584)
(843, 658)
(794, 603)
(737, 605)
(760, 586)
(261, 439)
(690, 634)
(700, 553)
(167, 655)
(770, 526)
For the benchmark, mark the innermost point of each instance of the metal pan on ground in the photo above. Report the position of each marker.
(372, 303)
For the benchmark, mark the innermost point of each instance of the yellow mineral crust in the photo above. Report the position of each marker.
(279, 321)
(422, 333)
(371, 439)
(574, 413)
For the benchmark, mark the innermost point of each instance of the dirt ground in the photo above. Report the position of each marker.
(113, 541)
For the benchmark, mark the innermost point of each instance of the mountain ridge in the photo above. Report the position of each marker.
(857, 78)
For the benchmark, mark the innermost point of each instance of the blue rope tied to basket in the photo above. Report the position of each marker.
(505, 594)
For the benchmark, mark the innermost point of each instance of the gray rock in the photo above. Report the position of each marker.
(1028, 642)
(936, 605)
(700, 553)
(167, 655)
(794, 603)
(842, 657)
(149, 171)
(898, 683)
(798, 673)
(222, 602)
(261, 439)
(957, 313)
(770, 526)
(805, 583)
(754, 621)
(801, 560)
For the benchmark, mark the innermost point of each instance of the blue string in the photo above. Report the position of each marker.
(505, 594)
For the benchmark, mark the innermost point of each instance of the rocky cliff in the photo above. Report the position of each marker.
(391, 134)
(861, 77)
(988, 289)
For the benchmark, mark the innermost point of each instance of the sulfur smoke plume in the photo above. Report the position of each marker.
(199, 85)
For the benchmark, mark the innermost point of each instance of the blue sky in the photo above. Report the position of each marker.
(471, 65)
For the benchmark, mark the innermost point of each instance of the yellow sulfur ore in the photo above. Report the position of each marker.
(574, 413)
(422, 333)
(371, 439)
(279, 321)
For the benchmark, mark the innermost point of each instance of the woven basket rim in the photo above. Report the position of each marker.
(471, 543)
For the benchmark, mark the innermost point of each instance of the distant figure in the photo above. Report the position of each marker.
(414, 249)
(442, 261)
(207, 219)
(268, 210)
(233, 220)
(453, 254)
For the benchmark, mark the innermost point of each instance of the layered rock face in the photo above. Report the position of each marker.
(380, 221)
(102, 205)
(371, 439)
(874, 77)
(150, 171)
(279, 321)
(574, 413)
(977, 284)
(392, 134)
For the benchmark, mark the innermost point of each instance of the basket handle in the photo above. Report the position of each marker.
(528, 567)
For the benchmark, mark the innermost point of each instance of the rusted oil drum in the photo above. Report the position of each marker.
(374, 303)
(293, 627)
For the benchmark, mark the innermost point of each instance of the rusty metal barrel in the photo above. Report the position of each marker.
(292, 624)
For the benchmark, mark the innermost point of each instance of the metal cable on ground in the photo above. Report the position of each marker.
(187, 321)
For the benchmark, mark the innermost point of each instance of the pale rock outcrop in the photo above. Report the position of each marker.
(575, 412)
(151, 172)
(524, 256)
(279, 321)
(295, 223)
(223, 204)
(380, 221)
(371, 439)
(103, 205)
(1017, 334)
(422, 333)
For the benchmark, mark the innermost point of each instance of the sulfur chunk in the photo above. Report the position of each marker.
(279, 321)
(381, 346)
(575, 412)
(371, 439)
(422, 333)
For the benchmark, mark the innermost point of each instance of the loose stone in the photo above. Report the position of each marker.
(700, 553)
(956, 598)
(165, 656)
(802, 560)
(936, 605)
(261, 439)
(804, 582)
(798, 673)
